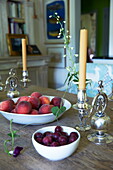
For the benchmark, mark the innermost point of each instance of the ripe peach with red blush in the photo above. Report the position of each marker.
(23, 98)
(13, 103)
(44, 100)
(7, 105)
(23, 107)
(57, 101)
(34, 112)
(35, 102)
(36, 94)
(13, 111)
(45, 108)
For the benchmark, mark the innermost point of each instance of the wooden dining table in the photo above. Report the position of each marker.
(88, 155)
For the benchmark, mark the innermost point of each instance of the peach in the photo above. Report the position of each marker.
(44, 100)
(35, 102)
(36, 94)
(7, 105)
(45, 108)
(12, 101)
(23, 98)
(23, 107)
(13, 111)
(34, 112)
(57, 101)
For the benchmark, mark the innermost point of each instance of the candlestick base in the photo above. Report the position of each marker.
(83, 127)
(103, 138)
(13, 93)
(2, 86)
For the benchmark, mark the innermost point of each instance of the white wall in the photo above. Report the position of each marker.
(60, 74)
(3, 29)
(57, 75)
(39, 26)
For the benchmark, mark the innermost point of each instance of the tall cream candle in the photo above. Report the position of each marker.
(24, 58)
(83, 58)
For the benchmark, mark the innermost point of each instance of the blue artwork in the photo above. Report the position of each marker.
(95, 72)
(53, 29)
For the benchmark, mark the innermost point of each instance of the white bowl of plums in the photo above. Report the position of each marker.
(56, 142)
(35, 109)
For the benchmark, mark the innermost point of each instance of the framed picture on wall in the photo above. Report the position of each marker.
(57, 60)
(14, 42)
(52, 29)
(33, 50)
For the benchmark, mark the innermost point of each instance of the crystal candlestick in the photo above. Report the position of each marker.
(83, 109)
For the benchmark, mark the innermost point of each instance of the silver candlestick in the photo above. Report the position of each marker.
(12, 84)
(25, 80)
(2, 85)
(83, 108)
(100, 121)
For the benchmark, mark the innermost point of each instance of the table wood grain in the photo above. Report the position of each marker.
(88, 155)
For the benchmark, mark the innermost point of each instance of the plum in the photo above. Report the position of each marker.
(74, 134)
(58, 129)
(38, 135)
(72, 139)
(63, 140)
(56, 136)
(48, 134)
(55, 144)
(47, 140)
(39, 140)
(57, 101)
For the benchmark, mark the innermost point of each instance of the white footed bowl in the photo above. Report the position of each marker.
(34, 119)
(59, 152)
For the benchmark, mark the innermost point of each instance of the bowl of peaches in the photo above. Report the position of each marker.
(35, 109)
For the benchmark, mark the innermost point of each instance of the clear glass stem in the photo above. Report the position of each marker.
(83, 126)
